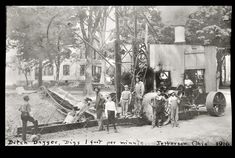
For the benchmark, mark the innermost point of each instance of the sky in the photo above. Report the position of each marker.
(171, 15)
(176, 15)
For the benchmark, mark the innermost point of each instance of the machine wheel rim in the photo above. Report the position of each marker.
(216, 103)
(219, 103)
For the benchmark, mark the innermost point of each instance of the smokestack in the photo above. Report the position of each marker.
(179, 34)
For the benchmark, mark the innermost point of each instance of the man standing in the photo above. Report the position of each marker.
(125, 100)
(174, 102)
(188, 86)
(25, 110)
(139, 92)
(158, 105)
(99, 105)
(110, 113)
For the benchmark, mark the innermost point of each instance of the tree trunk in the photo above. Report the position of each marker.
(88, 72)
(26, 78)
(118, 60)
(220, 78)
(57, 68)
(40, 73)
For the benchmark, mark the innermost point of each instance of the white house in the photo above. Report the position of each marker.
(70, 70)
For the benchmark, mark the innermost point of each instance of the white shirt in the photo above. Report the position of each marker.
(126, 95)
(173, 101)
(110, 105)
(188, 83)
(70, 118)
(139, 89)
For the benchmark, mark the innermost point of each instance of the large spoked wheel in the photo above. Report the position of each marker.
(215, 103)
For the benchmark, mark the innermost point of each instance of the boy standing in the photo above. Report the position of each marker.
(174, 101)
(25, 110)
(110, 113)
(139, 91)
(125, 100)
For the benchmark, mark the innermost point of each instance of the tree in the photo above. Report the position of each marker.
(211, 25)
(48, 37)
(15, 63)
(59, 36)
(158, 32)
(26, 35)
(88, 19)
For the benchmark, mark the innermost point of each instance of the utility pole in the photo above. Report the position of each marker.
(134, 46)
(134, 53)
(117, 59)
(146, 35)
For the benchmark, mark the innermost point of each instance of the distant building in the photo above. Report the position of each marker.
(69, 71)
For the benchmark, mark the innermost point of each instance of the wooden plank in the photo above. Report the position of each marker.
(58, 126)
(52, 128)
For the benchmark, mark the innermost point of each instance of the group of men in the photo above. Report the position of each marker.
(166, 106)
(105, 107)
(161, 104)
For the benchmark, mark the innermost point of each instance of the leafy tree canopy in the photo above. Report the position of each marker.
(210, 25)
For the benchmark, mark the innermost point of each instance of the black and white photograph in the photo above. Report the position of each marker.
(122, 75)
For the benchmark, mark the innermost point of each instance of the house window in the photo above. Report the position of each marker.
(96, 70)
(48, 70)
(99, 70)
(66, 70)
(82, 70)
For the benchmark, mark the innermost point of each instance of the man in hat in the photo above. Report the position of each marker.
(174, 102)
(25, 110)
(125, 100)
(99, 105)
(139, 92)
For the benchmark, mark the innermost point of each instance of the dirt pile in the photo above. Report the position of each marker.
(42, 109)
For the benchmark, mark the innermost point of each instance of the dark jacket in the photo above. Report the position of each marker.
(99, 105)
(159, 105)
